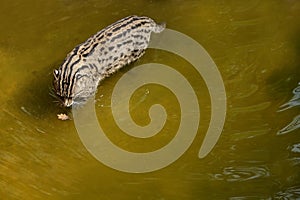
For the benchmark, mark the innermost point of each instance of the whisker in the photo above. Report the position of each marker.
(57, 99)
(52, 95)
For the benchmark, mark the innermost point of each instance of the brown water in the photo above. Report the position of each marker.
(256, 47)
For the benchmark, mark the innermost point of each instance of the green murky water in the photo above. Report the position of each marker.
(256, 47)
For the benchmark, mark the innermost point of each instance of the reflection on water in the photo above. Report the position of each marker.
(241, 173)
(289, 193)
(256, 47)
(295, 101)
(295, 124)
(295, 148)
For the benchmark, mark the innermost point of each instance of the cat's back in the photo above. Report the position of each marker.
(119, 44)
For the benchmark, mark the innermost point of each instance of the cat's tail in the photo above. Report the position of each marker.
(159, 27)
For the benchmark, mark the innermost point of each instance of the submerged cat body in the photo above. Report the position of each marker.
(102, 54)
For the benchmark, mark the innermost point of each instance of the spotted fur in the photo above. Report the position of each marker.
(101, 55)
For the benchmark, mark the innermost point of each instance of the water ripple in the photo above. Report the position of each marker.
(295, 124)
(250, 198)
(289, 193)
(295, 148)
(242, 173)
(294, 101)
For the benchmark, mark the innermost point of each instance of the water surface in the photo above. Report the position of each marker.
(256, 47)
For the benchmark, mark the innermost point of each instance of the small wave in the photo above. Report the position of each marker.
(289, 193)
(242, 173)
(250, 198)
(295, 148)
(294, 101)
(295, 124)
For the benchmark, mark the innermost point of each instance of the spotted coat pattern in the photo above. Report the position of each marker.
(101, 55)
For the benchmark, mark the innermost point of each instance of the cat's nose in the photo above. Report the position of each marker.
(68, 102)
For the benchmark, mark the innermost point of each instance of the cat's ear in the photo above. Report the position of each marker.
(55, 74)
